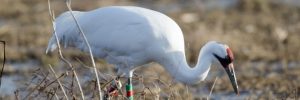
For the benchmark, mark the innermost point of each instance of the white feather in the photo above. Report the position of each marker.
(132, 36)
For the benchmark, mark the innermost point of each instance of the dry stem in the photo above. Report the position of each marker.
(60, 52)
(3, 63)
(212, 88)
(57, 78)
(68, 3)
(36, 87)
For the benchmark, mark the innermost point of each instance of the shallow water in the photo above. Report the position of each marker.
(16, 75)
(9, 85)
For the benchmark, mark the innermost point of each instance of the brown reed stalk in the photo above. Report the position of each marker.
(36, 87)
(212, 88)
(68, 3)
(3, 63)
(60, 52)
(57, 78)
(17, 97)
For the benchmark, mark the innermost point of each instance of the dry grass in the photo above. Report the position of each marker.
(262, 34)
(258, 28)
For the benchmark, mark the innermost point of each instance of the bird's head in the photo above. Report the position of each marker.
(223, 54)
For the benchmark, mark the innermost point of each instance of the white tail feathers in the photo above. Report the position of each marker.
(51, 46)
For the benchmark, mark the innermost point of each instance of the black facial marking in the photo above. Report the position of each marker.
(224, 61)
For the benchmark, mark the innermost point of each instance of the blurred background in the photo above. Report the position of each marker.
(263, 34)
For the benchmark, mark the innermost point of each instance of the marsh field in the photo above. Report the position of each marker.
(263, 35)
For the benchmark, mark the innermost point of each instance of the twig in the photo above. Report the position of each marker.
(51, 12)
(36, 87)
(32, 79)
(72, 86)
(57, 78)
(54, 94)
(17, 95)
(212, 88)
(68, 3)
(60, 52)
(53, 81)
(3, 63)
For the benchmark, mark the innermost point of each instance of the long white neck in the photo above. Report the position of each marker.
(175, 63)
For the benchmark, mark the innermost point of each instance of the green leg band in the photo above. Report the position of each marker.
(129, 90)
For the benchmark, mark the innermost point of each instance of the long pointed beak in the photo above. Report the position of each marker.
(231, 74)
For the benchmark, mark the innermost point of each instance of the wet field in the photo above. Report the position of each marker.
(254, 79)
(264, 37)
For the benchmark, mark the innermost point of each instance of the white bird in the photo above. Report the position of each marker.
(129, 37)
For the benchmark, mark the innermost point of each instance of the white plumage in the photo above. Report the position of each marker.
(132, 36)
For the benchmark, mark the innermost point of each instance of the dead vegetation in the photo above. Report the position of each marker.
(263, 35)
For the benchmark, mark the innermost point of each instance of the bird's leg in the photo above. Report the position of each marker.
(129, 87)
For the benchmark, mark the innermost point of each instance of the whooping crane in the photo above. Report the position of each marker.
(129, 36)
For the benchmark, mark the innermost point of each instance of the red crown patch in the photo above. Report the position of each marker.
(230, 54)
